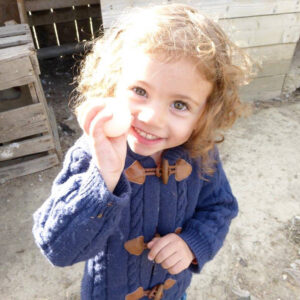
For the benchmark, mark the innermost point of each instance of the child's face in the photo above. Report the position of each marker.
(165, 100)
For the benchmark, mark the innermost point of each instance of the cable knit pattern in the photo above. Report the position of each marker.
(83, 221)
(181, 203)
(136, 228)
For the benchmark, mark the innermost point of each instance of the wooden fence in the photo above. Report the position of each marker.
(269, 30)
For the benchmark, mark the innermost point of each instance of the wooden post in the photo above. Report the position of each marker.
(22, 11)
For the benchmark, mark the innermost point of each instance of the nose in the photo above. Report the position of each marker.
(154, 115)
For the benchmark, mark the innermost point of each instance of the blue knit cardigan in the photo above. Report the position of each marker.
(83, 221)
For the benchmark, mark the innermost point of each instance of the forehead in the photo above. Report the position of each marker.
(180, 75)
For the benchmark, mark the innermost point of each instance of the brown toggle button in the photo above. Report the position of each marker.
(137, 173)
(155, 293)
(137, 245)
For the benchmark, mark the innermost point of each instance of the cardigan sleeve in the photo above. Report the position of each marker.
(205, 232)
(76, 220)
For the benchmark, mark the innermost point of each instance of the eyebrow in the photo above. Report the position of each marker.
(178, 96)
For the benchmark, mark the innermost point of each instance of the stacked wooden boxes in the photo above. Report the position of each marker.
(268, 29)
(28, 134)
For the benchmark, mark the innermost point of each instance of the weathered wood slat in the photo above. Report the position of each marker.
(22, 122)
(55, 133)
(263, 30)
(59, 16)
(16, 82)
(26, 147)
(12, 30)
(10, 41)
(14, 71)
(217, 8)
(18, 51)
(274, 59)
(22, 168)
(263, 88)
(254, 30)
(35, 5)
(246, 8)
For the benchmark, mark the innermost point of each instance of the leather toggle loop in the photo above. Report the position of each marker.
(137, 245)
(155, 293)
(137, 173)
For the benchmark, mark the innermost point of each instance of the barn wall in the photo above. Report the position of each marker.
(268, 30)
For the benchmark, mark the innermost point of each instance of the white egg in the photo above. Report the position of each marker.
(121, 119)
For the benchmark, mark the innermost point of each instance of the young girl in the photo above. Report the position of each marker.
(149, 207)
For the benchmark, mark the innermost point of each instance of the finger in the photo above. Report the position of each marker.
(96, 124)
(170, 261)
(87, 114)
(177, 268)
(164, 253)
(152, 242)
(160, 244)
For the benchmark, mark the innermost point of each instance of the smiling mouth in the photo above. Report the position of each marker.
(146, 135)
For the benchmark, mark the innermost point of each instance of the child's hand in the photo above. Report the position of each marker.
(172, 252)
(109, 153)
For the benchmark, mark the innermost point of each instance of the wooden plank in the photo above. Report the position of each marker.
(217, 8)
(35, 5)
(263, 88)
(64, 15)
(15, 69)
(35, 63)
(16, 82)
(12, 30)
(274, 59)
(55, 133)
(26, 147)
(245, 31)
(263, 30)
(33, 93)
(22, 122)
(7, 54)
(22, 168)
(15, 41)
(246, 8)
(40, 94)
(22, 11)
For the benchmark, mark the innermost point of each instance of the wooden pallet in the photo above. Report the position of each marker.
(29, 140)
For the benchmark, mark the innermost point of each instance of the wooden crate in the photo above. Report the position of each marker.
(29, 140)
(268, 30)
(61, 26)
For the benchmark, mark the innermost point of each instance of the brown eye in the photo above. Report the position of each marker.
(179, 105)
(140, 91)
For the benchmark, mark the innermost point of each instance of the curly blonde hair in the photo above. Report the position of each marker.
(171, 32)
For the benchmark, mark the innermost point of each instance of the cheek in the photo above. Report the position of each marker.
(183, 131)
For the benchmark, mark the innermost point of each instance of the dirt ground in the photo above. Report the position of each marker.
(260, 258)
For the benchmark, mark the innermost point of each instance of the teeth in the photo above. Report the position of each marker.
(145, 135)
